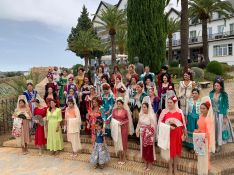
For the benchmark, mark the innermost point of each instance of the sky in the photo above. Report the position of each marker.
(34, 32)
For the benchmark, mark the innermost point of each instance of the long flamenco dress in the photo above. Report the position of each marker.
(54, 139)
(122, 117)
(192, 113)
(93, 117)
(79, 81)
(162, 93)
(175, 134)
(24, 136)
(62, 82)
(85, 90)
(72, 116)
(146, 126)
(203, 164)
(185, 92)
(107, 105)
(220, 108)
(40, 138)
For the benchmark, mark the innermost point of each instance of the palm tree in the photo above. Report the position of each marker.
(112, 20)
(121, 39)
(203, 10)
(173, 25)
(184, 31)
(85, 43)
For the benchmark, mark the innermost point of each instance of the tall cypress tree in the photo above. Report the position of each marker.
(147, 32)
(84, 24)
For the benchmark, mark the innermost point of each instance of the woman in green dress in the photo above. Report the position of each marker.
(192, 116)
(54, 138)
(62, 82)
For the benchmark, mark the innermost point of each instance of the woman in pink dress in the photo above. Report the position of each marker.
(206, 125)
(174, 117)
(73, 123)
(22, 117)
(40, 111)
(119, 132)
(94, 114)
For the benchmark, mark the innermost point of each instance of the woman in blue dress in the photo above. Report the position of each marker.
(192, 116)
(220, 104)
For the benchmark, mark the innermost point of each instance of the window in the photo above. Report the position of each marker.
(220, 29)
(232, 29)
(222, 50)
(209, 31)
(193, 34)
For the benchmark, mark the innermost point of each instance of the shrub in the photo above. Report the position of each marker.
(176, 71)
(209, 76)
(174, 63)
(198, 73)
(227, 68)
(215, 67)
(194, 65)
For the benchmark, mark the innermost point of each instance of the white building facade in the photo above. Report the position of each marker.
(220, 35)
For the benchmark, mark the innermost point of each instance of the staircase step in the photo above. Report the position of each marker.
(223, 166)
(130, 166)
(185, 165)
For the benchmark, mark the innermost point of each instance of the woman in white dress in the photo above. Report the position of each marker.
(146, 128)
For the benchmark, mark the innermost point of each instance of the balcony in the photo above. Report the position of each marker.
(196, 40)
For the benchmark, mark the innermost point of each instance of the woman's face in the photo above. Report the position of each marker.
(100, 70)
(217, 87)
(203, 110)
(50, 79)
(165, 79)
(133, 81)
(86, 80)
(30, 87)
(21, 104)
(148, 81)
(80, 71)
(170, 104)
(98, 127)
(92, 91)
(104, 80)
(145, 109)
(147, 69)
(71, 92)
(130, 69)
(64, 73)
(151, 92)
(186, 76)
(139, 88)
(117, 80)
(70, 104)
(95, 104)
(119, 104)
(195, 95)
(50, 90)
(52, 104)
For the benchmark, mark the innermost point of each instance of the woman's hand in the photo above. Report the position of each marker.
(172, 127)
(225, 120)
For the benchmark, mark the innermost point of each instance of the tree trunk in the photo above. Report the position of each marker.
(113, 50)
(89, 62)
(205, 41)
(86, 62)
(169, 48)
(184, 33)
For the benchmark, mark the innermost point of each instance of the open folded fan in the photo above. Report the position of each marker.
(39, 119)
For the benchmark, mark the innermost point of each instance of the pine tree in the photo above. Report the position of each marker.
(147, 32)
(84, 24)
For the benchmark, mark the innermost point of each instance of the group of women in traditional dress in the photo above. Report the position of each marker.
(144, 106)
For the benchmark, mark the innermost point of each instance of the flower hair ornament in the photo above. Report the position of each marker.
(174, 99)
(120, 99)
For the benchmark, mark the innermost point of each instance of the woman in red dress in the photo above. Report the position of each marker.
(51, 95)
(40, 138)
(174, 117)
(94, 114)
(120, 120)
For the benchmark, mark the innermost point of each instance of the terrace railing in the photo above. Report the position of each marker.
(7, 107)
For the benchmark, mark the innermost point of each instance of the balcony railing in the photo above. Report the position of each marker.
(211, 37)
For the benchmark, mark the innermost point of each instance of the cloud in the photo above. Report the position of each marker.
(61, 13)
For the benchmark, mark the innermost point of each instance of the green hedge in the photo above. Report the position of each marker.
(176, 71)
(215, 67)
(174, 63)
(209, 76)
(198, 73)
